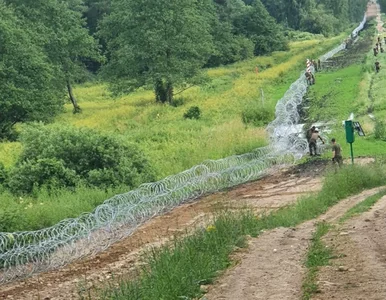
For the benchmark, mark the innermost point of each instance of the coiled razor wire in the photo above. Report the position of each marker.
(25, 253)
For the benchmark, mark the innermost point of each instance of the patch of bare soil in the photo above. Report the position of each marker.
(359, 272)
(273, 266)
(271, 192)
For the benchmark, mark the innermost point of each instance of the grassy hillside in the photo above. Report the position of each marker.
(171, 143)
(357, 89)
(174, 144)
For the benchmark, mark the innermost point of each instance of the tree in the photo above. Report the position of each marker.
(228, 46)
(158, 42)
(61, 31)
(28, 88)
(256, 24)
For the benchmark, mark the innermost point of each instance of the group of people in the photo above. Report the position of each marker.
(378, 48)
(313, 137)
(310, 77)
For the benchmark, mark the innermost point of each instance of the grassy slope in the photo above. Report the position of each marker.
(172, 143)
(350, 90)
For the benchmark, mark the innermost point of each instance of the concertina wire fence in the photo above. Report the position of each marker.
(25, 253)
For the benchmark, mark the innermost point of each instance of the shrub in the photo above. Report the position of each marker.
(379, 130)
(47, 172)
(193, 113)
(60, 156)
(177, 102)
(257, 116)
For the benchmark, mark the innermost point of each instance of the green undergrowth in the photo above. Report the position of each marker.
(173, 144)
(49, 207)
(170, 142)
(318, 255)
(363, 206)
(177, 270)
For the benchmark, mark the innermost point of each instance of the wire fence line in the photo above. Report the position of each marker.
(25, 253)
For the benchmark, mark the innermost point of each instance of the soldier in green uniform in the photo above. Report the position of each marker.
(336, 153)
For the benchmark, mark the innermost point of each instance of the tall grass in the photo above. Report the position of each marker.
(174, 144)
(177, 270)
(171, 143)
(47, 209)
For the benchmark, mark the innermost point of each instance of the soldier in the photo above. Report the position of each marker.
(377, 66)
(310, 78)
(319, 64)
(336, 153)
(313, 62)
(375, 51)
(309, 133)
(312, 143)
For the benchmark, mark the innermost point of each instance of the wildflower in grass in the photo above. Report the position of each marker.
(211, 228)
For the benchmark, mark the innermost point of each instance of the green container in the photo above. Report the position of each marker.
(350, 137)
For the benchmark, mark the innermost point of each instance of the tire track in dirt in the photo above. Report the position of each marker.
(272, 192)
(272, 268)
(360, 248)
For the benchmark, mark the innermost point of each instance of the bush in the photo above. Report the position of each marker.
(177, 102)
(47, 172)
(60, 156)
(257, 116)
(380, 130)
(193, 113)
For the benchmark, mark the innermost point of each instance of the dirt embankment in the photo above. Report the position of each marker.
(272, 192)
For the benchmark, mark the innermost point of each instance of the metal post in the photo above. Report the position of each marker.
(352, 153)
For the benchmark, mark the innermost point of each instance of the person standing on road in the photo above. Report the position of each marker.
(336, 153)
(312, 143)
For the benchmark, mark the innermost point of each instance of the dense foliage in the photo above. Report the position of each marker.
(58, 157)
(47, 45)
(28, 88)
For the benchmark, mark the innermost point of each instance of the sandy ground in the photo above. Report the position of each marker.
(359, 271)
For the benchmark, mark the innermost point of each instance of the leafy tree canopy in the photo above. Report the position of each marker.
(28, 87)
(159, 42)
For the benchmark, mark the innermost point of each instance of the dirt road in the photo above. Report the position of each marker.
(273, 268)
(359, 271)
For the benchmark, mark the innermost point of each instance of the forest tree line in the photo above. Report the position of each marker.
(48, 45)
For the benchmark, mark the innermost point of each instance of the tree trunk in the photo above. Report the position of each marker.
(159, 91)
(77, 108)
(163, 91)
(169, 92)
